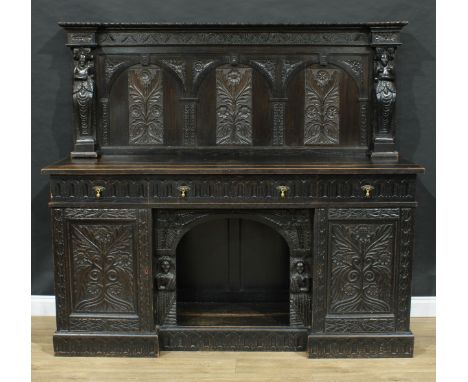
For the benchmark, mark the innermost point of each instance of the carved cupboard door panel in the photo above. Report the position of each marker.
(362, 270)
(103, 269)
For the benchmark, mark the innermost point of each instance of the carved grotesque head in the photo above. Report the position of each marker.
(165, 266)
(300, 267)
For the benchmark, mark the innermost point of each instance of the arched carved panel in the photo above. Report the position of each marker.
(293, 225)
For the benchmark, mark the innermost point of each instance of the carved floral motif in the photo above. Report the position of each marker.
(361, 267)
(103, 267)
(233, 106)
(145, 106)
(322, 107)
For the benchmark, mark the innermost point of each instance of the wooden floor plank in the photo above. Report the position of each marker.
(230, 366)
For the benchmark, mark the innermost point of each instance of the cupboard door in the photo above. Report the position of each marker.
(362, 270)
(103, 269)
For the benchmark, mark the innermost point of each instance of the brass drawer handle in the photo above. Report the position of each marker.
(183, 191)
(367, 188)
(282, 190)
(98, 190)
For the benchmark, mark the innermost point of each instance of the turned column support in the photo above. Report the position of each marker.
(82, 42)
(384, 41)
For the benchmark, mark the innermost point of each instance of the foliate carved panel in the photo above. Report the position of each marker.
(103, 268)
(234, 106)
(361, 267)
(322, 107)
(99, 213)
(145, 95)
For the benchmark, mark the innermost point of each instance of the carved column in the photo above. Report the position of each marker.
(384, 42)
(278, 106)
(84, 93)
(190, 121)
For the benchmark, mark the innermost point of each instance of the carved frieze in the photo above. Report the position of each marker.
(322, 107)
(234, 38)
(145, 97)
(234, 106)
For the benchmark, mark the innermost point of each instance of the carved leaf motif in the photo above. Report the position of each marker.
(178, 66)
(234, 106)
(103, 268)
(268, 67)
(145, 106)
(322, 107)
(361, 267)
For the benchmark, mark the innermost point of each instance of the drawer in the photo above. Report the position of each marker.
(281, 189)
(232, 188)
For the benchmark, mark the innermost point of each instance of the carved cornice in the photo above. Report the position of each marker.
(144, 38)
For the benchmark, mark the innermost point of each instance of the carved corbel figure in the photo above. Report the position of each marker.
(83, 102)
(165, 279)
(300, 281)
(385, 96)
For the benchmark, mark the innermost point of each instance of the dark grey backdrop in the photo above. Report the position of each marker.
(51, 91)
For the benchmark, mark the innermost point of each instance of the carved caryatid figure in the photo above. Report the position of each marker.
(385, 90)
(165, 280)
(83, 92)
(300, 280)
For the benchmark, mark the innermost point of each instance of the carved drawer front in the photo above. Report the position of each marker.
(281, 188)
(362, 269)
(132, 189)
(103, 269)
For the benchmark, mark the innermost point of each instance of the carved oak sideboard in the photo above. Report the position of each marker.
(233, 187)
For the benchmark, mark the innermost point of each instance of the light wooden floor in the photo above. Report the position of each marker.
(231, 366)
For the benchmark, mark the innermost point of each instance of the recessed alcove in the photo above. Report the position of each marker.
(232, 271)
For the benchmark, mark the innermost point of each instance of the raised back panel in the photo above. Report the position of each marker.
(230, 88)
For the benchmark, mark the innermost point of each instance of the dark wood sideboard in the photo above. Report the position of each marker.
(233, 187)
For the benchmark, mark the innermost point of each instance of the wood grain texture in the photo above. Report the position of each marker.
(231, 366)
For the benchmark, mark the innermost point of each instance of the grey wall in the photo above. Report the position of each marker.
(51, 91)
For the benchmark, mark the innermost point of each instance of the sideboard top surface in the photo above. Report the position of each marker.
(113, 165)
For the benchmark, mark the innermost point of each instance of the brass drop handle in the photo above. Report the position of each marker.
(183, 191)
(282, 190)
(98, 190)
(367, 188)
